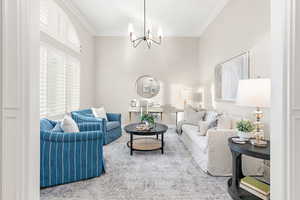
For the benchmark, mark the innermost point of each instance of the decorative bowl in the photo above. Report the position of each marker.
(245, 135)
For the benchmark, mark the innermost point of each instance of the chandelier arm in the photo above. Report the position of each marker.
(156, 42)
(148, 44)
(144, 17)
(137, 44)
(139, 38)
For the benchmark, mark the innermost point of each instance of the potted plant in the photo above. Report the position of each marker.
(148, 119)
(245, 129)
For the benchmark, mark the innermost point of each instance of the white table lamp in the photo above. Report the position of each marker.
(255, 93)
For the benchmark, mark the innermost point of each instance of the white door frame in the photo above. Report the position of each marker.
(20, 100)
(20, 111)
(285, 112)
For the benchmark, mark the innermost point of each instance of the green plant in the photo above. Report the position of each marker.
(148, 118)
(245, 126)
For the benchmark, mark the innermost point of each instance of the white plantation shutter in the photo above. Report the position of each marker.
(73, 84)
(59, 65)
(43, 82)
(44, 12)
(56, 82)
(56, 24)
(72, 38)
(59, 82)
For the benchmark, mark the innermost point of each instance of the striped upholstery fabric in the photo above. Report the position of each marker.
(70, 157)
(110, 135)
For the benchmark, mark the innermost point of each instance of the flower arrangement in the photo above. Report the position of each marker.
(245, 129)
(245, 126)
(148, 118)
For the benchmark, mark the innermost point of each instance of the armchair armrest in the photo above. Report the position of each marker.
(114, 117)
(70, 137)
(79, 118)
(90, 126)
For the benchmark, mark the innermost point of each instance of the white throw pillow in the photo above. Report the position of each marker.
(224, 122)
(68, 125)
(192, 116)
(99, 113)
(203, 127)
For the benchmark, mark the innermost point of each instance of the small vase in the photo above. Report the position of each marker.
(245, 135)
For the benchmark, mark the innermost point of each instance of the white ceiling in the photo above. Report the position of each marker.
(175, 17)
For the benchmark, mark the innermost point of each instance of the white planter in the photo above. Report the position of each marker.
(245, 135)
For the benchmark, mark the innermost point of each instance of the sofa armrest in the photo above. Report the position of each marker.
(218, 151)
(223, 133)
(114, 117)
(219, 138)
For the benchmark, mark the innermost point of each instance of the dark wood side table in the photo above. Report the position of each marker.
(237, 151)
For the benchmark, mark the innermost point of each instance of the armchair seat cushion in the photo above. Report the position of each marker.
(112, 125)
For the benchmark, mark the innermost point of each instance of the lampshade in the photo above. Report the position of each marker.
(254, 93)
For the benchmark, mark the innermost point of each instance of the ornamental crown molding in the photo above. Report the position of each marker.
(68, 4)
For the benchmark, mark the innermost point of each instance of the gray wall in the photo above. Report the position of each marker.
(241, 26)
(174, 63)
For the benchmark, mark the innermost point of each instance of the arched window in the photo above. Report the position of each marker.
(59, 62)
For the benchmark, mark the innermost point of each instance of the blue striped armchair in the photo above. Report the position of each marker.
(70, 157)
(112, 129)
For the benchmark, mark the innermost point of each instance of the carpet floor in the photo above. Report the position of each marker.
(145, 176)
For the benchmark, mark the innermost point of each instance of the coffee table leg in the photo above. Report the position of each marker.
(131, 143)
(157, 136)
(162, 143)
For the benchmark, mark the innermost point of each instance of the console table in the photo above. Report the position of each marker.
(237, 151)
(156, 110)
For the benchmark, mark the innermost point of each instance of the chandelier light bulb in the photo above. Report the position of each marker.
(130, 28)
(160, 33)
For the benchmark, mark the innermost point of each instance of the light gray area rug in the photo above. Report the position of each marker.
(145, 176)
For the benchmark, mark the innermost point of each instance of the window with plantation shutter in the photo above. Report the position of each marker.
(43, 81)
(73, 84)
(56, 82)
(55, 23)
(59, 62)
(44, 13)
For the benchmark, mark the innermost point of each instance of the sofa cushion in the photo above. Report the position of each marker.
(112, 125)
(193, 133)
(57, 127)
(46, 125)
(193, 116)
(203, 127)
(99, 113)
(69, 125)
(212, 117)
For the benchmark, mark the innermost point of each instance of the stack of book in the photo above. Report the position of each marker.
(256, 187)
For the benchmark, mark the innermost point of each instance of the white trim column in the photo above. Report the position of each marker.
(20, 100)
(285, 113)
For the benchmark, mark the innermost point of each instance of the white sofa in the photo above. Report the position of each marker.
(212, 153)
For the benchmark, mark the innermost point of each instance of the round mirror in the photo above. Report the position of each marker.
(147, 86)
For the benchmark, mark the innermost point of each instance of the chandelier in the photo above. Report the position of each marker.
(148, 37)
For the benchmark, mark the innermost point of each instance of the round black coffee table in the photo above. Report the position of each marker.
(146, 143)
(237, 151)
